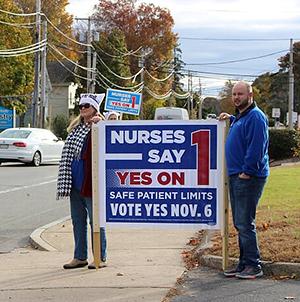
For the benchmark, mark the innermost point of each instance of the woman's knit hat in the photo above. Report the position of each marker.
(109, 113)
(90, 98)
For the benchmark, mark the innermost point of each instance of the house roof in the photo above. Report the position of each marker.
(59, 74)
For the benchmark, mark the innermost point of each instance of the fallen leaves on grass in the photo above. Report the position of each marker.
(194, 241)
(191, 256)
(277, 239)
(265, 225)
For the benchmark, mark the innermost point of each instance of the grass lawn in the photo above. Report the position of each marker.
(277, 220)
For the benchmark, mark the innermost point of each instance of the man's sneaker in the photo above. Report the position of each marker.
(250, 272)
(75, 263)
(232, 272)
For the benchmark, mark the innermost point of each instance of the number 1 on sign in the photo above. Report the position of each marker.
(201, 139)
(133, 98)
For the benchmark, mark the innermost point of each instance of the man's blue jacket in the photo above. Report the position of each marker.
(247, 143)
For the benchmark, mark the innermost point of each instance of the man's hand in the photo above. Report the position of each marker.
(223, 116)
(244, 176)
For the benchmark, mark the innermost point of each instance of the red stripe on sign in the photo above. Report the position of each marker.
(133, 98)
(201, 139)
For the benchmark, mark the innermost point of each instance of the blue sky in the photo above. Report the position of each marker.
(212, 31)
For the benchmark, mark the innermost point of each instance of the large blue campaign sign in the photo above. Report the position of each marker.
(6, 118)
(123, 101)
(166, 172)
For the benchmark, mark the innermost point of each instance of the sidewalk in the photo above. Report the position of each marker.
(143, 264)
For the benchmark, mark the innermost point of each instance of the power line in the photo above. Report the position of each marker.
(101, 76)
(115, 74)
(15, 96)
(26, 25)
(28, 47)
(18, 14)
(58, 30)
(224, 74)
(240, 60)
(57, 51)
(160, 80)
(44, 15)
(237, 39)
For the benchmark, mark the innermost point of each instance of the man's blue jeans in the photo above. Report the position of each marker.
(244, 197)
(81, 208)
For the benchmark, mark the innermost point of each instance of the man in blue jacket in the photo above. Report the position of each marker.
(248, 167)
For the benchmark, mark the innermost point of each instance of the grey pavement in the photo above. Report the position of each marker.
(143, 265)
(209, 285)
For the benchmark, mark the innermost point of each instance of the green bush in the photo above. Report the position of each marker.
(59, 126)
(284, 143)
(297, 147)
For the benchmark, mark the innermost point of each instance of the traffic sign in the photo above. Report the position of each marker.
(275, 112)
(123, 101)
(6, 118)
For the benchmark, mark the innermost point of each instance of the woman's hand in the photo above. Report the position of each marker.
(96, 118)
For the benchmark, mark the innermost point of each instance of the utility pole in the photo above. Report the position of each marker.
(89, 53)
(291, 86)
(93, 86)
(37, 63)
(190, 90)
(174, 76)
(96, 37)
(141, 65)
(192, 97)
(43, 77)
(200, 101)
(89, 57)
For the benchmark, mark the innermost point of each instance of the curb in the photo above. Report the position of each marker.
(282, 269)
(271, 269)
(35, 238)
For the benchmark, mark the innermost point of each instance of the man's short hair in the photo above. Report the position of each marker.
(249, 87)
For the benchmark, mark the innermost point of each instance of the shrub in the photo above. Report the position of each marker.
(284, 143)
(59, 126)
(296, 149)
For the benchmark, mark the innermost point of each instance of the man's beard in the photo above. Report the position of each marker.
(243, 105)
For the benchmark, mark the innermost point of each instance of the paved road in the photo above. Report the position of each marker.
(27, 201)
(208, 285)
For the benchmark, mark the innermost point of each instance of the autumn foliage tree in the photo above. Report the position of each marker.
(55, 10)
(225, 97)
(109, 62)
(284, 68)
(16, 76)
(274, 87)
(145, 27)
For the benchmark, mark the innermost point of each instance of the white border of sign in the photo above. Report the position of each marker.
(100, 132)
(123, 109)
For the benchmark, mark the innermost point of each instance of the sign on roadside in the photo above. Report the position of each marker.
(6, 118)
(276, 112)
(123, 101)
(294, 117)
(161, 173)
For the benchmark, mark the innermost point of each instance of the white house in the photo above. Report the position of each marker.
(62, 96)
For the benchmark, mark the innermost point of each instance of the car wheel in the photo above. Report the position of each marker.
(36, 161)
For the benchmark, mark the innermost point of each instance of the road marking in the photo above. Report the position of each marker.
(28, 187)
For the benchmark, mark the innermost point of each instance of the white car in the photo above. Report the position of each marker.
(171, 113)
(29, 145)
